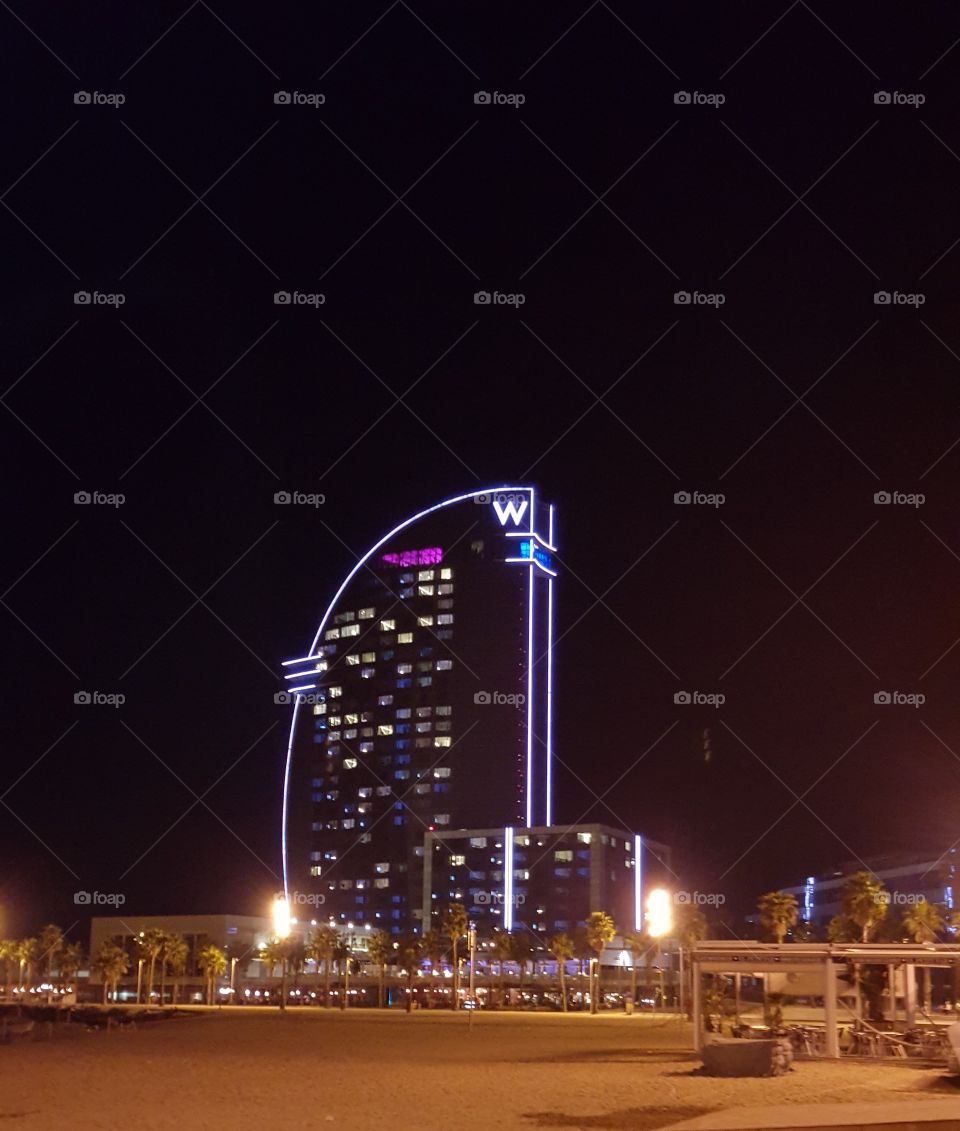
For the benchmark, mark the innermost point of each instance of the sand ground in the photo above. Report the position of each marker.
(252, 1069)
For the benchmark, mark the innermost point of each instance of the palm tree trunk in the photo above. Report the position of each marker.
(563, 986)
(326, 983)
(456, 977)
(105, 983)
(380, 989)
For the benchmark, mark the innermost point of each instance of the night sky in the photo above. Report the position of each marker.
(399, 197)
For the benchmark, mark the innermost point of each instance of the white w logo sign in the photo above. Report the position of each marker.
(512, 509)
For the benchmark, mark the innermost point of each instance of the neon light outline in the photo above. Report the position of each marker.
(533, 561)
(529, 782)
(302, 660)
(508, 878)
(361, 562)
(638, 882)
(549, 702)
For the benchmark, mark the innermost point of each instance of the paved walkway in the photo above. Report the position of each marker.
(920, 1115)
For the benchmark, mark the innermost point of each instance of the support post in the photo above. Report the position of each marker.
(910, 994)
(830, 1008)
(892, 993)
(695, 996)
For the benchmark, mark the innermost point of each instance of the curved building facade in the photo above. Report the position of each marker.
(423, 704)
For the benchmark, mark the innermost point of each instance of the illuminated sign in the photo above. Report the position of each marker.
(510, 508)
(432, 555)
(532, 550)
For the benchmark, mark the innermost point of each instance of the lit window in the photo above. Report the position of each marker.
(424, 680)
(425, 622)
(349, 823)
(522, 841)
(402, 712)
(333, 736)
(444, 589)
(404, 669)
(354, 719)
(407, 592)
(344, 618)
(584, 838)
(421, 789)
(332, 634)
(368, 657)
(384, 729)
(385, 700)
(334, 720)
(442, 618)
(334, 692)
(350, 732)
(563, 856)
(401, 775)
(424, 590)
(366, 614)
(384, 791)
(441, 741)
(349, 763)
(422, 743)
(444, 665)
(422, 728)
(383, 883)
(444, 724)
(321, 666)
(361, 884)
(365, 791)
(350, 630)
(367, 673)
(478, 842)
(353, 660)
(316, 870)
(366, 747)
(444, 710)
(346, 885)
(404, 637)
(364, 807)
(388, 625)
(425, 575)
(457, 861)
(320, 708)
(441, 818)
(446, 573)
(442, 772)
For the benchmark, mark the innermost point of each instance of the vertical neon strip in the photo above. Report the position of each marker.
(638, 882)
(549, 694)
(508, 879)
(529, 783)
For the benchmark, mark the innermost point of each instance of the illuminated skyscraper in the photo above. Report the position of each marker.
(423, 703)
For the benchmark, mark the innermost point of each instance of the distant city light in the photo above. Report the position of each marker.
(431, 555)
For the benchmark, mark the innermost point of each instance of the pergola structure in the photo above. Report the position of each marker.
(830, 959)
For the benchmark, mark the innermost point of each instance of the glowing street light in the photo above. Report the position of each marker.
(659, 923)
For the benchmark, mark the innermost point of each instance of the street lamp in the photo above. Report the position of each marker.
(659, 923)
(281, 928)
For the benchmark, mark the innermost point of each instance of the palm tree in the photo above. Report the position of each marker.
(151, 944)
(639, 944)
(379, 948)
(212, 962)
(865, 901)
(110, 963)
(455, 927)
(320, 947)
(502, 949)
(175, 960)
(409, 950)
(600, 930)
(561, 947)
(343, 956)
(28, 955)
(778, 913)
(923, 921)
(9, 957)
(49, 944)
(69, 963)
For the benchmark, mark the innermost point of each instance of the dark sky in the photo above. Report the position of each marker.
(397, 199)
